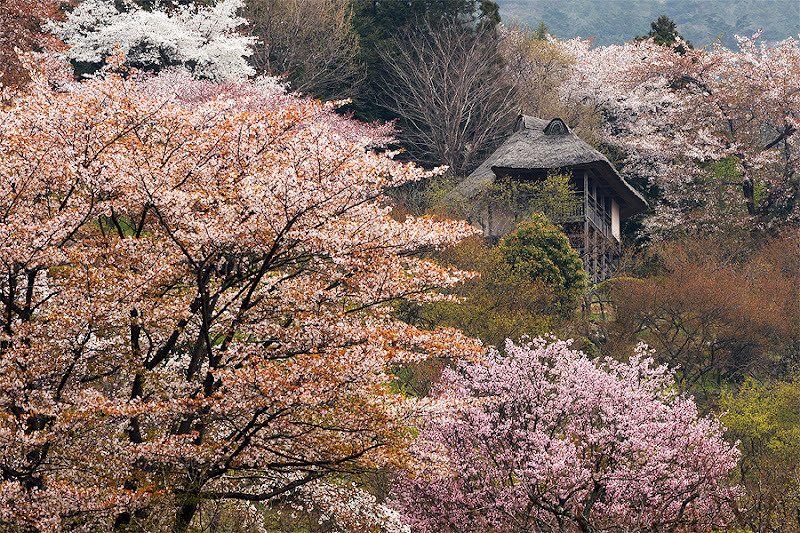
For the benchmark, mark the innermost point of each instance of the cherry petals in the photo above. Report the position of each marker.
(713, 129)
(544, 439)
(196, 283)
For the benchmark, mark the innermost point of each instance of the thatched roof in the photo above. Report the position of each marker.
(530, 148)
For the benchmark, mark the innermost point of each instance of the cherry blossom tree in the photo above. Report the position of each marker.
(543, 439)
(196, 301)
(202, 40)
(713, 129)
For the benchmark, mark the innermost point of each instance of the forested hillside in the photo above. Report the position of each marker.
(617, 21)
(241, 292)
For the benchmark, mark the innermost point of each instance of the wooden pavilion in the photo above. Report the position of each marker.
(537, 147)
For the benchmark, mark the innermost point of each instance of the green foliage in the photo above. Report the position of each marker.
(664, 32)
(497, 305)
(541, 32)
(719, 187)
(512, 200)
(554, 197)
(529, 284)
(765, 418)
(538, 250)
(767, 415)
(509, 299)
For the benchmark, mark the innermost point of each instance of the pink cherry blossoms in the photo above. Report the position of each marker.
(195, 284)
(543, 439)
(712, 128)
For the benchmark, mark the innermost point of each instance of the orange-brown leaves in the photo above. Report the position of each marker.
(22, 29)
(715, 307)
(195, 291)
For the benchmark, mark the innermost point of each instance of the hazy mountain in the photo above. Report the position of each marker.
(616, 21)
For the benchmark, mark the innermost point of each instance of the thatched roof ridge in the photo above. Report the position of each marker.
(529, 148)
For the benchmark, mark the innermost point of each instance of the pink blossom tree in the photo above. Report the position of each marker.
(715, 130)
(544, 439)
(196, 284)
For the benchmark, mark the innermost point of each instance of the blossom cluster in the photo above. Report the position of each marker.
(542, 438)
(196, 288)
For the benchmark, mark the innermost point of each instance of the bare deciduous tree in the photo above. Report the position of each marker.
(311, 42)
(448, 87)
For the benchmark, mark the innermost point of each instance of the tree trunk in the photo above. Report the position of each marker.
(748, 191)
(188, 503)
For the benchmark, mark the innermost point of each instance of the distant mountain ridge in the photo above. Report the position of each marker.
(617, 21)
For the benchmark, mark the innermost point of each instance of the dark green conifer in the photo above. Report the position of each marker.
(665, 33)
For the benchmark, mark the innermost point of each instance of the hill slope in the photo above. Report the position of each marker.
(616, 21)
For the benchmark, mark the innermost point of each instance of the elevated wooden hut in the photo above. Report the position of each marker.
(537, 147)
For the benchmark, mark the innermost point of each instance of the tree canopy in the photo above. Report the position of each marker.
(220, 300)
(194, 300)
(202, 40)
(538, 250)
(543, 439)
(377, 23)
(664, 32)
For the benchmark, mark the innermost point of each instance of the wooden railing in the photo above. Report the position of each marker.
(566, 213)
(599, 217)
(601, 259)
(557, 211)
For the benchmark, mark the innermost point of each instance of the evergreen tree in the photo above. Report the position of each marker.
(664, 32)
(539, 250)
